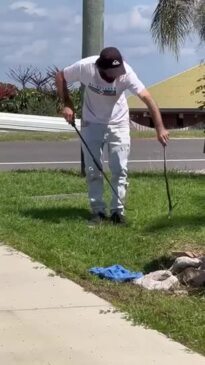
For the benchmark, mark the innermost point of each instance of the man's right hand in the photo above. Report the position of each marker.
(163, 136)
(68, 114)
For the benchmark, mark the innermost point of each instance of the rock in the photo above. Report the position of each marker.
(202, 259)
(190, 254)
(198, 280)
(158, 280)
(183, 262)
(186, 275)
(192, 277)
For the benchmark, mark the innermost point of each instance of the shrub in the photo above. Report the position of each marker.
(32, 101)
(7, 93)
(76, 97)
(40, 98)
(37, 102)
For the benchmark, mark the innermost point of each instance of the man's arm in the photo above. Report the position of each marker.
(162, 133)
(63, 93)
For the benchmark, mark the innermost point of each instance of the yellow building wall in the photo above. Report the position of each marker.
(175, 92)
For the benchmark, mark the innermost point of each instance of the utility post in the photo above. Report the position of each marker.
(92, 37)
(93, 27)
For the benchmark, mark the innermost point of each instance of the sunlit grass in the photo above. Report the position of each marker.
(54, 231)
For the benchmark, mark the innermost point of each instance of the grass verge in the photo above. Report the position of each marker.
(51, 136)
(36, 136)
(192, 133)
(54, 231)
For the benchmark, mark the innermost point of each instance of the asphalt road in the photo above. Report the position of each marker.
(146, 154)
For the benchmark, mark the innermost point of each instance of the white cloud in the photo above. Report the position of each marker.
(187, 51)
(139, 51)
(146, 10)
(56, 38)
(66, 40)
(78, 19)
(12, 40)
(62, 14)
(28, 7)
(16, 27)
(137, 18)
(28, 52)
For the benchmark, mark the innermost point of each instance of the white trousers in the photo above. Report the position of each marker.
(117, 139)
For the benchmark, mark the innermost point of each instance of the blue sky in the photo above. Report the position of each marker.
(46, 33)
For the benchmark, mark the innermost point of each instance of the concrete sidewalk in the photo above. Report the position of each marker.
(46, 320)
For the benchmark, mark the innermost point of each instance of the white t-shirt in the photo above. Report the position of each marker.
(104, 102)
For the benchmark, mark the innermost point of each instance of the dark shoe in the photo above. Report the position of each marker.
(117, 218)
(96, 219)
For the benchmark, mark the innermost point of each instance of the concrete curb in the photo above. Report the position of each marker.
(49, 320)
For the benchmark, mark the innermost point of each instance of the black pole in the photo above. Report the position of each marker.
(167, 182)
(170, 205)
(96, 162)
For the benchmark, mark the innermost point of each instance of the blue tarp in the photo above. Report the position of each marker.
(115, 273)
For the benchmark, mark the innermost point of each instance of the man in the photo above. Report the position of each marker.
(105, 119)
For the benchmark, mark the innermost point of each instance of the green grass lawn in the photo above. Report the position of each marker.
(36, 136)
(61, 136)
(192, 133)
(55, 232)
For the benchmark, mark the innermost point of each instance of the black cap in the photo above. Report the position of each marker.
(111, 62)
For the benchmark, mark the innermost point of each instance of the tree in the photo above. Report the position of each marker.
(22, 75)
(40, 98)
(39, 80)
(174, 20)
(51, 73)
(200, 89)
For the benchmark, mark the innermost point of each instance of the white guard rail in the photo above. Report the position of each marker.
(36, 123)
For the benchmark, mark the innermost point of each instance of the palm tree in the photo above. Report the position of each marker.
(174, 20)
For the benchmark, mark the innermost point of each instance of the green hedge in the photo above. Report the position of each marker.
(35, 102)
